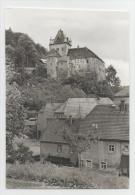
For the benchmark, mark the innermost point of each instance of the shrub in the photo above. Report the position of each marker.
(67, 177)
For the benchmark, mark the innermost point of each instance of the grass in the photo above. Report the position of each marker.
(65, 177)
(21, 184)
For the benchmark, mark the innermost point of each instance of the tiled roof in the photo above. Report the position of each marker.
(123, 93)
(80, 107)
(52, 53)
(54, 131)
(49, 109)
(111, 123)
(59, 37)
(84, 52)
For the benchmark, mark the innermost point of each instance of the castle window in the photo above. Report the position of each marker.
(103, 165)
(111, 148)
(87, 61)
(57, 49)
(59, 148)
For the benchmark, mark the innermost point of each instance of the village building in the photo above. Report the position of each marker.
(103, 135)
(73, 107)
(63, 121)
(122, 95)
(45, 113)
(64, 61)
(79, 107)
(109, 129)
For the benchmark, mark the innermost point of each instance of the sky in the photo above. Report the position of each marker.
(106, 33)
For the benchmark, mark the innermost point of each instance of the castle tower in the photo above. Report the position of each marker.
(61, 43)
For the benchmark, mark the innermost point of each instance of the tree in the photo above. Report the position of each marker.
(90, 85)
(23, 154)
(40, 70)
(112, 78)
(14, 108)
(80, 142)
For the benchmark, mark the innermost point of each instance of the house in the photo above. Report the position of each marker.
(46, 112)
(64, 61)
(54, 145)
(79, 107)
(122, 95)
(62, 125)
(75, 107)
(108, 129)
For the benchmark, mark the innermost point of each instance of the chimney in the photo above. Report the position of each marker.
(122, 106)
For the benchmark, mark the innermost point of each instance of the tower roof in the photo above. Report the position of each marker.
(60, 38)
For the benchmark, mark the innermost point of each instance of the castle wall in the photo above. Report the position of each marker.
(95, 65)
(52, 66)
(82, 66)
(61, 48)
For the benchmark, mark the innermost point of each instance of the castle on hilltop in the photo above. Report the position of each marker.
(62, 61)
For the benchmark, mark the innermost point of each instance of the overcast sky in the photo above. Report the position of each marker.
(105, 33)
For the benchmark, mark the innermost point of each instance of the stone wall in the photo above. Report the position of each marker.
(61, 48)
(51, 67)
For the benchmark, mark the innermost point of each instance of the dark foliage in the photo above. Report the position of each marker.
(90, 85)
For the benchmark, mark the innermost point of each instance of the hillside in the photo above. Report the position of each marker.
(36, 89)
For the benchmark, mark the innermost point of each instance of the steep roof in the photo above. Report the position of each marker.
(111, 123)
(49, 109)
(83, 52)
(54, 131)
(61, 38)
(52, 53)
(123, 93)
(80, 107)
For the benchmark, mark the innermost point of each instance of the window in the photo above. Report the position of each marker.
(59, 148)
(62, 49)
(57, 49)
(126, 147)
(82, 164)
(103, 165)
(89, 163)
(111, 148)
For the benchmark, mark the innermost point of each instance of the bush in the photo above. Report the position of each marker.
(67, 177)
(22, 154)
